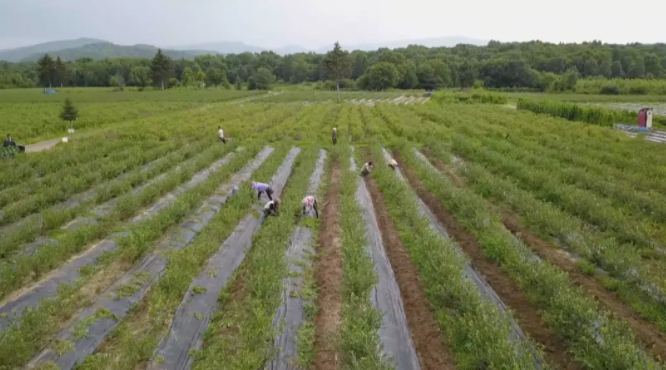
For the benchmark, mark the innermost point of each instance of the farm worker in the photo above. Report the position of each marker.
(393, 164)
(260, 187)
(220, 134)
(272, 208)
(367, 168)
(234, 190)
(335, 135)
(309, 204)
(9, 142)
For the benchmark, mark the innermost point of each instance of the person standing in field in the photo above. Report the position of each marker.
(335, 136)
(367, 168)
(309, 204)
(220, 134)
(260, 187)
(272, 208)
(393, 164)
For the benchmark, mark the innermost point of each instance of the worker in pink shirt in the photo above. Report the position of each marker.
(309, 204)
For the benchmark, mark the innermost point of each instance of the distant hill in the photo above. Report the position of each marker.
(222, 47)
(105, 50)
(99, 49)
(17, 54)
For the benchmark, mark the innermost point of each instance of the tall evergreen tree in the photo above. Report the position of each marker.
(46, 69)
(162, 67)
(337, 65)
(60, 71)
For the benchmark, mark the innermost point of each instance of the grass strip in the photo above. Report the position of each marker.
(359, 343)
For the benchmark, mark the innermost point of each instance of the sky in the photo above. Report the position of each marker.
(317, 23)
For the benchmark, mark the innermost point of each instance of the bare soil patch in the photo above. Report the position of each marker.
(328, 275)
(431, 348)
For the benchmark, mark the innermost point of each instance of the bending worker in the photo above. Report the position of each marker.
(272, 208)
(220, 134)
(335, 135)
(367, 168)
(393, 164)
(309, 204)
(260, 187)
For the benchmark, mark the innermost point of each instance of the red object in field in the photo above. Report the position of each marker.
(641, 117)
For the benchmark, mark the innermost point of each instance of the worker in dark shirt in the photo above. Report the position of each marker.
(9, 142)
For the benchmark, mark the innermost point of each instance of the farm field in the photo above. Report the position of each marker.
(505, 239)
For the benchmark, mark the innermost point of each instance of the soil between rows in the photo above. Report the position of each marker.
(328, 275)
(432, 351)
(646, 332)
(525, 314)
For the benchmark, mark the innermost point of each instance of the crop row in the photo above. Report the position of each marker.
(97, 145)
(594, 338)
(39, 323)
(478, 333)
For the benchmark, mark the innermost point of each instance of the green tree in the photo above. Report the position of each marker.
(409, 77)
(434, 74)
(466, 74)
(606, 67)
(162, 68)
(46, 69)
(591, 67)
(239, 84)
(616, 70)
(215, 77)
(60, 72)
(117, 81)
(140, 76)
(261, 80)
(337, 65)
(380, 76)
(653, 66)
(637, 69)
(69, 111)
(189, 77)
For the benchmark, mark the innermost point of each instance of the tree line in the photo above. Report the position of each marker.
(529, 65)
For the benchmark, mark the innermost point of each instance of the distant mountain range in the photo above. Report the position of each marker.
(100, 49)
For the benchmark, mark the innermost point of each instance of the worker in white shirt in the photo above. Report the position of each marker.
(393, 164)
(335, 136)
(367, 168)
(272, 208)
(310, 204)
(220, 134)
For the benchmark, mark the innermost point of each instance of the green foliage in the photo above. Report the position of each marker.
(162, 68)
(69, 111)
(484, 97)
(381, 76)
(574, 112)
(337, 63)
(262, 80)
(140, 76)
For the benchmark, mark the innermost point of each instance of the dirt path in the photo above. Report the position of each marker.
(328, 275)
(646, 332)
(525, 314)
(433, 353)
(42, 145)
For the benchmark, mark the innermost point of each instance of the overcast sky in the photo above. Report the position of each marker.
(316, 23)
